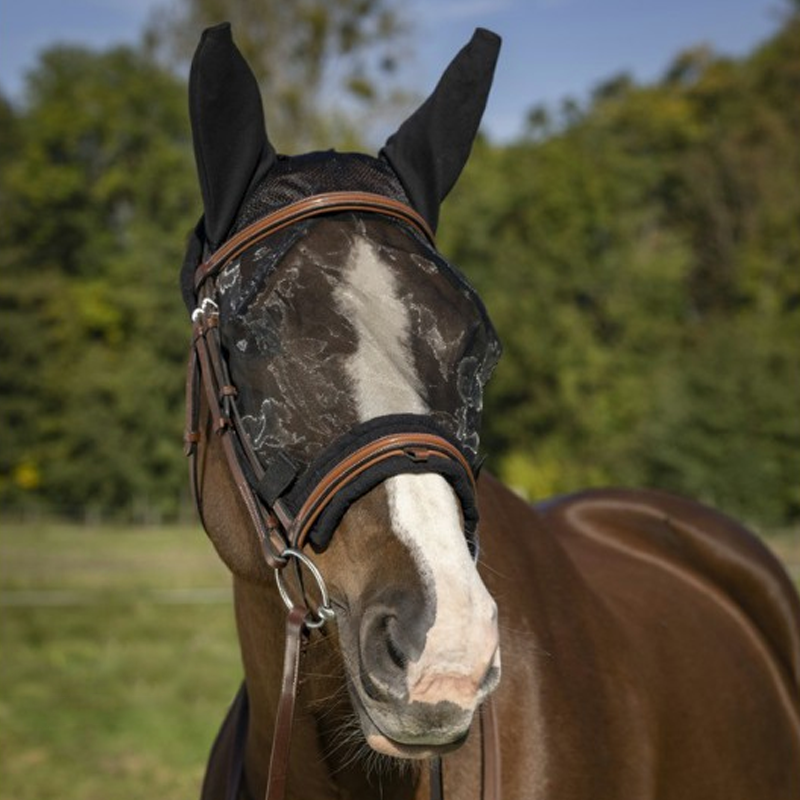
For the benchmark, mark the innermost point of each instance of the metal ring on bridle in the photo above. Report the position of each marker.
(324, 613)
(208, 306)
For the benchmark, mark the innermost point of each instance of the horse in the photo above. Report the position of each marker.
(650, 645)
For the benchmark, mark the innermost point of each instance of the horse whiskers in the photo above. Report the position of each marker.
(328, 705)
(350, 735)
(375, 765)
(348, 738)
(324, 676)
(484, 567)
(378, 765)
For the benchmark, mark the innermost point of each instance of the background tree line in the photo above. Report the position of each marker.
(639, 254)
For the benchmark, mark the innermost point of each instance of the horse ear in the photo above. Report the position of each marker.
(431, 147)
(231, 147)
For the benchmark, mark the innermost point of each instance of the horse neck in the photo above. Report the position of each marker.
(323, 763)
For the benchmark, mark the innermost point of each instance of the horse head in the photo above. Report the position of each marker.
(341, 331)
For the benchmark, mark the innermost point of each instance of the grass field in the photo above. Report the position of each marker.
(118, 658)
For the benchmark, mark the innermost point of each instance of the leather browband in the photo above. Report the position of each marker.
(314, 206)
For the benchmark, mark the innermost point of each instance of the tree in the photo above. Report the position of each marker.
(638, 256)
(640, 264)
(303, 53)
(98, 195)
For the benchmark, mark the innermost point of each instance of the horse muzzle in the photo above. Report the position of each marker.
(415, 699)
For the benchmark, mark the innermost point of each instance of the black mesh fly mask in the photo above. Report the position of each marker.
(341, 329)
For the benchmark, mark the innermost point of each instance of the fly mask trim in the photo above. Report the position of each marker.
(374, 451)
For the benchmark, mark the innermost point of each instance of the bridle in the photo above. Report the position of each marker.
(284, 529)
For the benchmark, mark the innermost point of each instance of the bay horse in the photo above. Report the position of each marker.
(650, 646)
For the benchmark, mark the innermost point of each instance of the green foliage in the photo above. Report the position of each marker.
(97, 195)
(641, 266)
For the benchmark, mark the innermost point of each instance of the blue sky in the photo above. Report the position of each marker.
(551, 48)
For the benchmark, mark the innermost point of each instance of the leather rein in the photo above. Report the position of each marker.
(282, 535)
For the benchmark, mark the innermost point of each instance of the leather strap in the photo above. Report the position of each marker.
(417, 446)
(207, 360)
(284, 719)
(436, 778)
(315, 206)
(490, 759)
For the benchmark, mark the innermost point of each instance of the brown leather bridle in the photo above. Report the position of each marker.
(281, 534)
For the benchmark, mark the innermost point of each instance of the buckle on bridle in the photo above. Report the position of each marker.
(417, 454)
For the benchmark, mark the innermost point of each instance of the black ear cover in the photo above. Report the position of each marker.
(231, 147)
(431, 147)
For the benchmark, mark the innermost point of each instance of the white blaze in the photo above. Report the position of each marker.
(382, 369)
(423, 508)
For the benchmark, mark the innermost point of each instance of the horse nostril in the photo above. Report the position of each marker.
(383, 659)
(393, 648)
(387, 649)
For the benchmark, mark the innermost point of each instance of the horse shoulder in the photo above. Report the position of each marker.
(695, 544)
(666, 647)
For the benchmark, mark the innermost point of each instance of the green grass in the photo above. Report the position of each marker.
(110, 685)
(118, 657)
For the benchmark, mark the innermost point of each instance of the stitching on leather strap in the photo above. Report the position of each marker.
(315, 206)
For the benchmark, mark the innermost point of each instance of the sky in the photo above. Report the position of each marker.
(551, 48)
